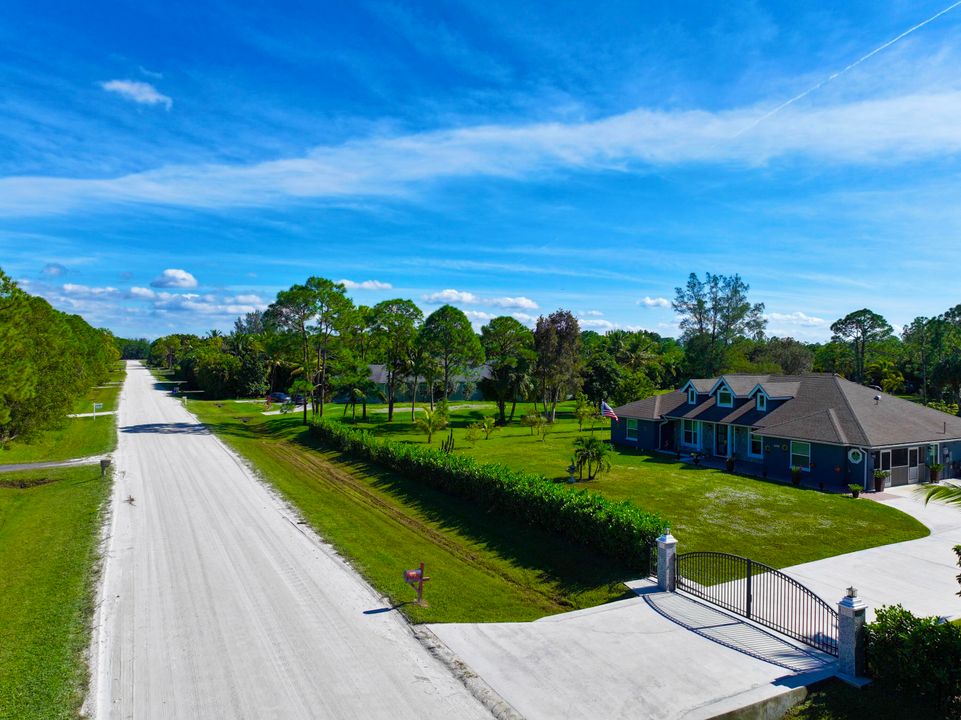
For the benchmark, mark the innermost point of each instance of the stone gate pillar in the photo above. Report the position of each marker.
(851, 622)
(666, 561)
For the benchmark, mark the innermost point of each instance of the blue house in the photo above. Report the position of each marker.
(835, 430)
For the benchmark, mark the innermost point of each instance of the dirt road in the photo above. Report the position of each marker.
(216, 604)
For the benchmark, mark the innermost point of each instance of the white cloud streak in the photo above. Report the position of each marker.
(796, 318)
(365, 285)
(452, 296)
(880, 131)
(139, 92)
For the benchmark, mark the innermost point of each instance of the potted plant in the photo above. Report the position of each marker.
(796, 475)
(696, 458)
(934, 471)
(855, 490)
(729, 463)
(879, 477)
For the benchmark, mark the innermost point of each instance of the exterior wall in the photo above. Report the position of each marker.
(647, 434)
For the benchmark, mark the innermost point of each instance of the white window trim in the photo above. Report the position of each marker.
(761, 398)
(810, 453)
(695, 431)
(750, 440)
(730, 394)
(627, 431)
(691, 396)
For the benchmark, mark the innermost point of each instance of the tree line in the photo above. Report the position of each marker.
(315, 341)
(48, 360)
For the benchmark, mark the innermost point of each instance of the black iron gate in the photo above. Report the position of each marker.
(761, 594)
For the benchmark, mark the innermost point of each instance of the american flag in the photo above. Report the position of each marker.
(607, 412)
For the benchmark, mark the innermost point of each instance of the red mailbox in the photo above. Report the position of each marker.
(416, 579)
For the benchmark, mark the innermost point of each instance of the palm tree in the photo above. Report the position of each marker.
(489, 425)
(432, 421)
(949, 493)
(594, 453)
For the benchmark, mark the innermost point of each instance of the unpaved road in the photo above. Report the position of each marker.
(214, 604)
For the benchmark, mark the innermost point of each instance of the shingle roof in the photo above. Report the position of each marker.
(821, 408)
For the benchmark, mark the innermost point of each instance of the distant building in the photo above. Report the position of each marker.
(469, 381)
(835, 430)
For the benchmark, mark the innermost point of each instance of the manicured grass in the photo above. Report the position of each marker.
(835, 700)
(482, 567)
(77, 437)
(708, 509)
(48, 541)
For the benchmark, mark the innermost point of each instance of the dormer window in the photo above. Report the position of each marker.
(761, 402)
(725, 398)
(691, 396)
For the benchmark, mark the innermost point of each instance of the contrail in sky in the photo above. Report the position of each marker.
(857, 62)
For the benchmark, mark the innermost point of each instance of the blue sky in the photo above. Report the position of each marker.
(167, 166)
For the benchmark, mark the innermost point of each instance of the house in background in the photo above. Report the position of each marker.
(836, 431)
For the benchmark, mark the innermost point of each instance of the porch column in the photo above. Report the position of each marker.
(851, 621)
(666, 561)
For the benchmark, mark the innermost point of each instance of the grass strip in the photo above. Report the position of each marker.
(48, 543)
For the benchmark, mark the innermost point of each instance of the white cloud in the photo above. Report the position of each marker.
(247, 299)
(53, 270)
(174, 278)
(141, 293)
(524, 318)
(452, 296)
(365, 285)
(597, 324)
(654, 302)
(523, 303)
(87, 291)
(591, 313)
(796, 318)
(140, 92)
(479, 315)
(879, 131)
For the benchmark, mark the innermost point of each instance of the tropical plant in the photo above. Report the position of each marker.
(533, 420)
(474, 431)
(948, 493)
(879, 478)
(855, 489)
(431, 421)
(594, 454)
(796, 474)
(489, 425)
(582, 410)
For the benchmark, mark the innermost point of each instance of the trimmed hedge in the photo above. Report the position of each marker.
(617, 529)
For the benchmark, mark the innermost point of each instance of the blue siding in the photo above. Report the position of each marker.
(646, 434)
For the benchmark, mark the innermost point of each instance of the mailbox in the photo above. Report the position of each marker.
(416, 579)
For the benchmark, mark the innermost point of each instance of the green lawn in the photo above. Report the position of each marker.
(48, 540)
(483, 568)
(77, 437)
(708, 509)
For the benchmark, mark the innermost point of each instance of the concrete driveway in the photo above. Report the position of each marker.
(660, 655)
(918, 574)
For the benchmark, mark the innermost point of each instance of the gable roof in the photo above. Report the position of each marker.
(817, 407)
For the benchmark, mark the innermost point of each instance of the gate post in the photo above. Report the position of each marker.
(666, 561)
(851, 621)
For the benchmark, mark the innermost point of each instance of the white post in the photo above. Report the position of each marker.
(666, 561)
(851, 621)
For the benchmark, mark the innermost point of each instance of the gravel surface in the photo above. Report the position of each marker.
(216, 603)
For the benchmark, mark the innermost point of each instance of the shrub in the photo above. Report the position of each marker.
(855, 489)
(796, 475)
(617, 529)
(917, 656)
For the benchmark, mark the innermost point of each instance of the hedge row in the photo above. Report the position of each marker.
(617, 529)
